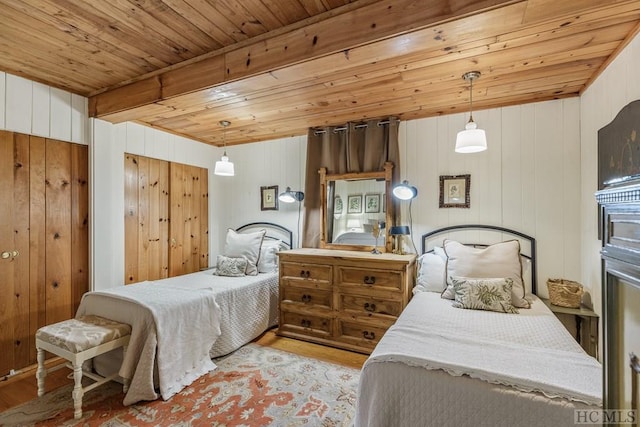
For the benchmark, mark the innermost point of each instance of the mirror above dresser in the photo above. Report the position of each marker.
(354, 206)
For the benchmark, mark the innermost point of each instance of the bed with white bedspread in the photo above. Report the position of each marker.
(445, 366)
(208, 314)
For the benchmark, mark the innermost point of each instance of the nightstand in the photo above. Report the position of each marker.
(586, 325)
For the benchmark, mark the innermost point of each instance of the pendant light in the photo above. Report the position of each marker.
(471, 139)
(223, 166)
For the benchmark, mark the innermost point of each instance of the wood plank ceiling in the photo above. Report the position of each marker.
(275, 68)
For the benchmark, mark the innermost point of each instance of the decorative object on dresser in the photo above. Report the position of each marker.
(346, 299)
(397, 231)
(269, 198)
(565, 293)
(455, 191)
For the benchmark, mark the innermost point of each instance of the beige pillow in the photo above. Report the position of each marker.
(498, 260)
(245, 245)
(493, 294)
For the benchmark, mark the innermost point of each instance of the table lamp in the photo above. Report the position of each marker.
(395, 231)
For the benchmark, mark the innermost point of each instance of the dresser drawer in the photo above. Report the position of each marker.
(378, 279)
(360, 334)
(370, 306)
(306, 296)
(303, 271)
(307, 324)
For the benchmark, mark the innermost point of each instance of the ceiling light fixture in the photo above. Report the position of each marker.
(471, 139)
(223, 166)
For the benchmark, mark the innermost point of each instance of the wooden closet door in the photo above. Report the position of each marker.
(44, 234)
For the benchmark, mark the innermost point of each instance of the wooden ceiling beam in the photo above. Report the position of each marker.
(342, 32)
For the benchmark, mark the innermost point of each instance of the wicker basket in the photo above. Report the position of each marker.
(565, 293)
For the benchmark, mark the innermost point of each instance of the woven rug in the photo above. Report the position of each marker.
(254, 386)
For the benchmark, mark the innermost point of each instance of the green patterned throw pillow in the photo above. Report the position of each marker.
(232, 267)
(483, 294)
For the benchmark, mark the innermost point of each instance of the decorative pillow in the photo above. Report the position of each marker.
(268, 261)
(498, 260)
(483, 294)
(439, 250)
(431, 274)
(245, 245)
(228, 266)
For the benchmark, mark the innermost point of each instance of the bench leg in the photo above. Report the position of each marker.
(125, 381)
(41, 372)
(77, 390)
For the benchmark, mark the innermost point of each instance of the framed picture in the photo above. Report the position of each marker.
(372, 203)
(454, 191)
(354, 203)
(269, 198)
(337, 205)
(384, 202)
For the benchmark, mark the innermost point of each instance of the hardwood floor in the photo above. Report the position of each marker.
(22, 387)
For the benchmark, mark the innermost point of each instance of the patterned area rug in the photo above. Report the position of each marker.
(254, 386)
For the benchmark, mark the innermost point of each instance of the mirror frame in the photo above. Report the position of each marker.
(386, 175)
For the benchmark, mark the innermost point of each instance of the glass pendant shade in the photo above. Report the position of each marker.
(471, 139)
(224, 167)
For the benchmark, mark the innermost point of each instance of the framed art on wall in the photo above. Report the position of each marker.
(354, 203)
(372, 203)
(337, 205)
(269, 198)
(454, 191)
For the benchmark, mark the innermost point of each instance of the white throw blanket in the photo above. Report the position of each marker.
(171, 325)
(421, 339)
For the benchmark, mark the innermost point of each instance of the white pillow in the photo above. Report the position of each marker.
(268, 261)
(498, 260)
(439, 250)
(245, 245)
(431, 274)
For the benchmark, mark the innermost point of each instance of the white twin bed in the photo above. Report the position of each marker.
(446, 366)
(208, 314)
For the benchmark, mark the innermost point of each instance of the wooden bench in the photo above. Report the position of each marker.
(79, 340)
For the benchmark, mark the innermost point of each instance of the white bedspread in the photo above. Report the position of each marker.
(165, 320)
(520, 353)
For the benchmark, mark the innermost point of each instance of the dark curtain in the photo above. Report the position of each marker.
(345, 149)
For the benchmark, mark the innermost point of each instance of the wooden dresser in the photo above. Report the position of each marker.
(345, 299)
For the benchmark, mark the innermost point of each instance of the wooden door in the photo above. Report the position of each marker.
(166, 219)
(44, 236)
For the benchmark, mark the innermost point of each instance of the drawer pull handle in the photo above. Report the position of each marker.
(305, 323)
(306, 298)
(305, 274)
(369, 280)
(369, 307)
(369, 335)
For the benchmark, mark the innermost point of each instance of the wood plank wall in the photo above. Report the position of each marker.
(44, 211)
(165, 234)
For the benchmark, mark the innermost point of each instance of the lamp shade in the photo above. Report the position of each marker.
(353, 224)
(290, 196)
(405, 191)
(399, 230)
(224, 167)
(471, 139)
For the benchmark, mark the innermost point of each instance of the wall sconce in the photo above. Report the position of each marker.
(405, 191)
(471, 139)
(223, 166)
(290, 196)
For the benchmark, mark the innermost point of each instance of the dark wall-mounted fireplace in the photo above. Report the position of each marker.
(620, 231)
